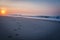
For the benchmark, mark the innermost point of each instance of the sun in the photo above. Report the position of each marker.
(3, 11)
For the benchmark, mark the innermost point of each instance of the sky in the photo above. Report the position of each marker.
(32, 7)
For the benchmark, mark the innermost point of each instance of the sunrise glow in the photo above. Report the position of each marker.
(29, 7)
(3, 11)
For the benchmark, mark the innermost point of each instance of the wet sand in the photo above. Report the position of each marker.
(19, 28)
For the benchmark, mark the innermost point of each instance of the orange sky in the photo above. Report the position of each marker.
(28, 8)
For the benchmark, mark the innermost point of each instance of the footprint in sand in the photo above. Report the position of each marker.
(9, 36)
(17, 34)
